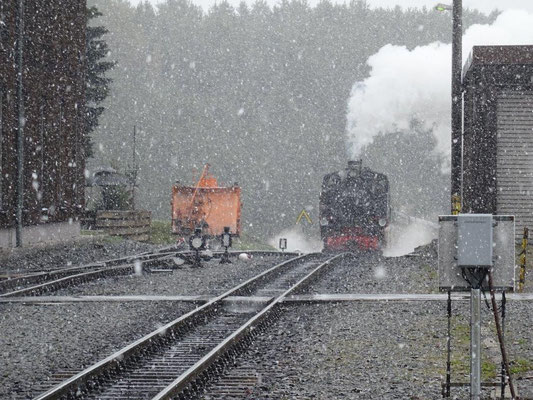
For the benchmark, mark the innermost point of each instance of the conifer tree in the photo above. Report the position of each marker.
(97, 84)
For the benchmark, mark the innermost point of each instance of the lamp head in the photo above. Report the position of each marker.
(443, 7)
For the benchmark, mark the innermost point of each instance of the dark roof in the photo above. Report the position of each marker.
(107, 177)
(499, 55)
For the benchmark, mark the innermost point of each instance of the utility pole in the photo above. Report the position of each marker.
(134, 139)
(457, 141)
(134, 171)
(21, 123)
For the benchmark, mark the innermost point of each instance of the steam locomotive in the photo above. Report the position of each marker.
(354, 209)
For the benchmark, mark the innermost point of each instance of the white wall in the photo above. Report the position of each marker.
(41, 234)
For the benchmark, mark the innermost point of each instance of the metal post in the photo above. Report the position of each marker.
(475, 344)
(449, 346)
(134, 172)
(523, 261)
(134, 139)
(21, 123)
(457, 143)
(504, 300)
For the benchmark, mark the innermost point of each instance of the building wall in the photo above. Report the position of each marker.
(498, 133)
(484, 85)
(54, 98)
(515, 157)
(41, 234)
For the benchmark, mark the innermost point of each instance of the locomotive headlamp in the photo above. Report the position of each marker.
(382, 222)
(283, 244)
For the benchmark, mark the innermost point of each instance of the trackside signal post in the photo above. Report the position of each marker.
(282, 244)
(197, 242)
(476, 252)
(226, 242)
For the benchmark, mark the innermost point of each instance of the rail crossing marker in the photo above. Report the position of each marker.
(305, 214)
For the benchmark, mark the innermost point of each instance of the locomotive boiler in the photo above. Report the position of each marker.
(354, 209)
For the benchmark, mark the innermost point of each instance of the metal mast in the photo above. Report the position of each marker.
(457, 142)
(21, 123)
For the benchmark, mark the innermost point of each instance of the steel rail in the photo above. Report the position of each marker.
(47, 281)
(21, 277)
(199, 370)
(182, 324)
(71, 280)
(187, 256)
(45, 276)
(41, 277)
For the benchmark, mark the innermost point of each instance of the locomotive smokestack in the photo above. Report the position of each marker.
(355, 166)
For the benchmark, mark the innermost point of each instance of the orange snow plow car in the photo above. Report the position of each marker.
(206, 206)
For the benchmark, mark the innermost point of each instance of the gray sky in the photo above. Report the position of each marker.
(482, 5)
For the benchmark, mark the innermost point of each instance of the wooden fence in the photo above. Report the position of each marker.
(132, 224)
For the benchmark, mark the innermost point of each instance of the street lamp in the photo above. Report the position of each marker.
(457, 144)
(443, 7)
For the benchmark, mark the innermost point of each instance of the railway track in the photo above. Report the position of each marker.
(35, 284)
(180, 358)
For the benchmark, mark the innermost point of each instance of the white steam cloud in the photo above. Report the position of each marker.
(403, 238)
(297, 241)
(406, 84)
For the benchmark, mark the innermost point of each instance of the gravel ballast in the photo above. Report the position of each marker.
(84, 251)
(354, 350)
(380, 350)
(372, 351)
(37, 341)
(212, 278)
(377, 274)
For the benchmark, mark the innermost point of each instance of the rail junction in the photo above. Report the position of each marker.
(197, 354)
(177, 359)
